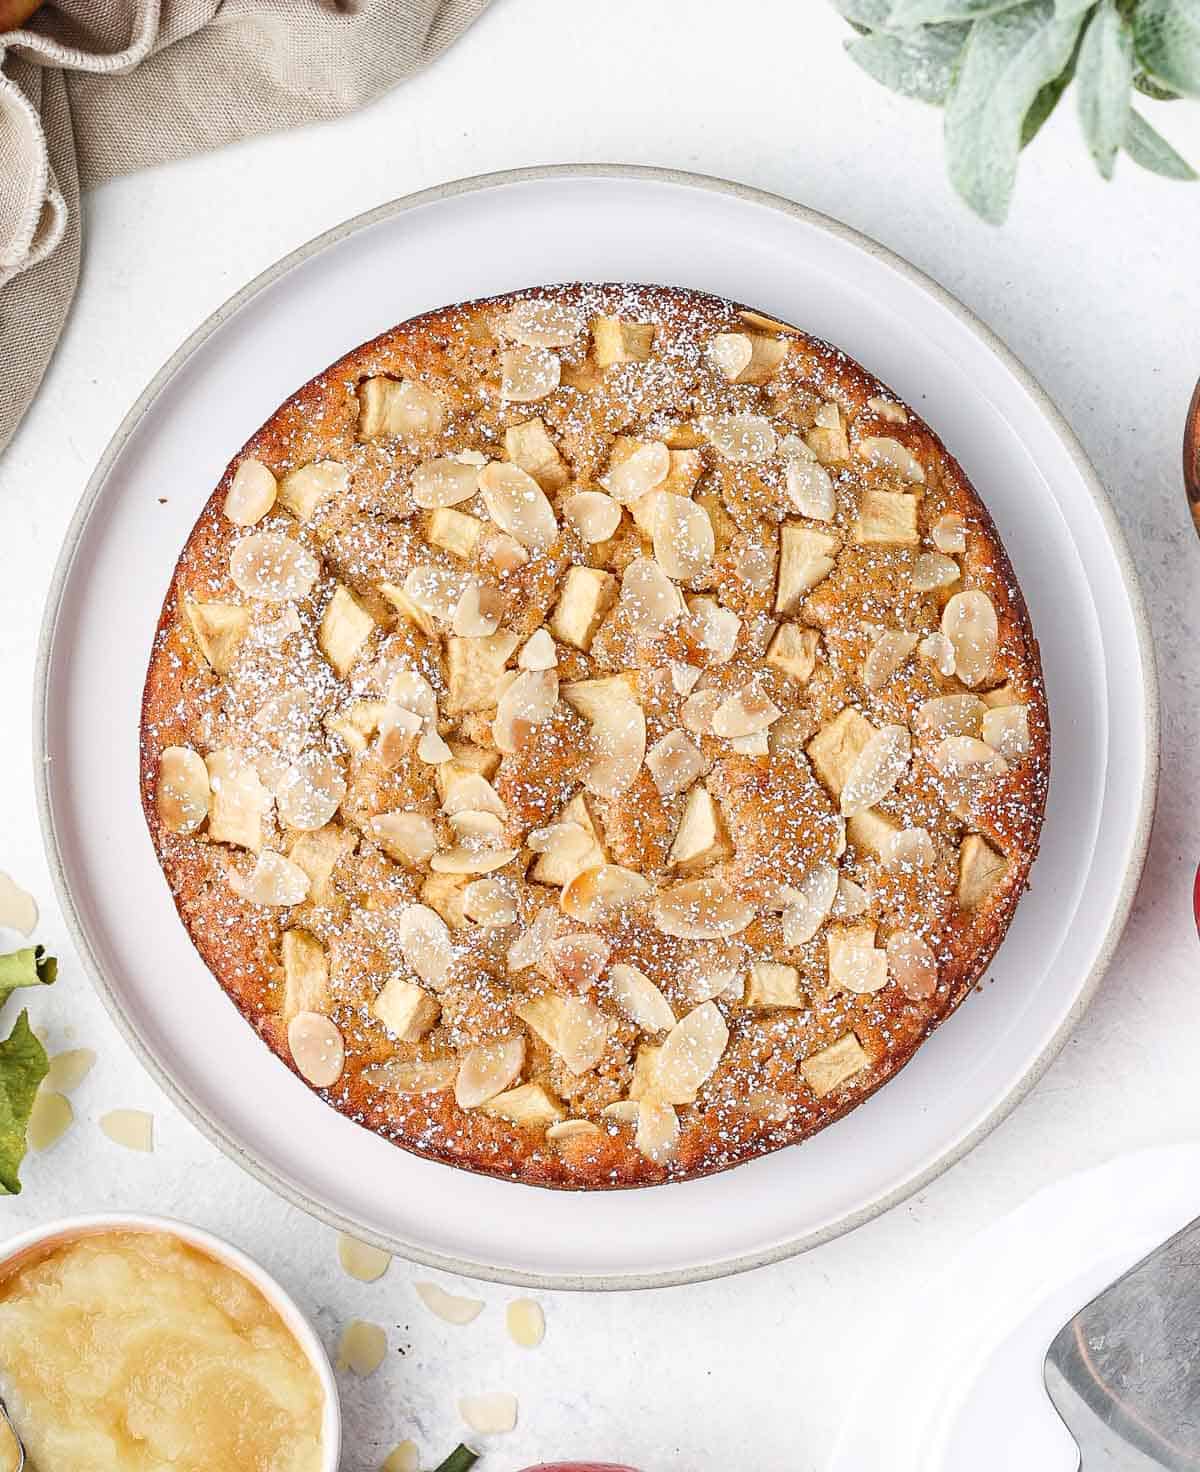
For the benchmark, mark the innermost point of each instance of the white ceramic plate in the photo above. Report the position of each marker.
(494, 234)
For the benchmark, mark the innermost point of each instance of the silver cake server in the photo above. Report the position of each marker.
(1124, 1373)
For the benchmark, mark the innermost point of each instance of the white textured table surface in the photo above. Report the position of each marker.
(1096, 288)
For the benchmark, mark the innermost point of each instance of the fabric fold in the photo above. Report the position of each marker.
(92, 89)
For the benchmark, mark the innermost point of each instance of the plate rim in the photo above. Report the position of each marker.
(1134, 862)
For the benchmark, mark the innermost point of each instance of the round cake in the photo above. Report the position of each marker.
(594, 735)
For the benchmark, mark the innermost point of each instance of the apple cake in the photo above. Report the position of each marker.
(594, 735)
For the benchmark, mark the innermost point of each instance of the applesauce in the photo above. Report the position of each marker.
(132, 1351)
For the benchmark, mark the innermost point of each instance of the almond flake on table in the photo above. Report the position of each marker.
(362, 1261)
(18, 908)
(404, 1458)
(489, 1414)
(68, 1070)
(526, 1322)
(448, 1306)
(132, 1128)
(362, 1348)
(50, 1119)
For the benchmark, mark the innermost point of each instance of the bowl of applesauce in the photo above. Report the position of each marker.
(133, 1342)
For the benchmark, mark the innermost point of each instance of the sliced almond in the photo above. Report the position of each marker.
(648, 596)
(684, 543)
(701, 909)
(274, 880)
(251, 493)
(131, 1128)
(950, 715)
(528, 374)
(409, 838)
(657, 1133)
(504, 553)
(889, 410)
(934, 570)
(432, 749)
(956, 754)
(969, 622)
(526, 950)
(538, 652)
(310, 791)
(539, 323)
(272, 567)
(487, 1070)
(596, 893)
(949, 533)
(573, 1129)
(698, 711)
(642, 470)
(810, 487)
(434, 590)
(182, 794)
(465, 790)
(886, 657)
(691, 1052)
(745, 439)
(451, 1308)
(518, 505)
(856, 964)
(426, 944)
(881, 450)
(880, 765)
(674, 763)
(489, 1414)
(405, 1457)
(912, 965)
(576, 961)
(529, 701)
(851, 899)
(716, 628)
(640, 1000)
(317, 1048)
(361, 1261)
(1006, 727)
(744, 713)
(524, 1319)
(413, 1076)
(939, 651)
(683, 677)
(478, 611)
(809, 904)
(68, 1070)
(489, 902)
(49, 1119)
(594, 515)
(362, 1348)
(569, 1026)
(443, 482)
(465, 859)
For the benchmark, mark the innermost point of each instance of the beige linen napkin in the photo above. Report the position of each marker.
(96, 88)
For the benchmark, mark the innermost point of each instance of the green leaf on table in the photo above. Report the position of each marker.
(1150, 150)
(1166, 36)
(916, 63)
(23, 1065)
(1006, 62)
(906, 13)
(870, 13)
(1103, 77)
(28, 967)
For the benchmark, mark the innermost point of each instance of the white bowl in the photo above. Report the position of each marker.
(70, 1229)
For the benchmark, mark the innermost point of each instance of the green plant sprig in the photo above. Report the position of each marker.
(999, 68)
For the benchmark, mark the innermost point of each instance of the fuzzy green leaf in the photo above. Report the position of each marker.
(1072, 7)
(916, 63)
(1148, 87)
(1166, 36)
(1150, 150)
(869, 13)
(1006, 62)
(28, 967)
(1104, 75)
(1045, 102)
(23, 1065)
(908, 13)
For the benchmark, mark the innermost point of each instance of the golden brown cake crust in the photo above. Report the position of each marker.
(778, 810)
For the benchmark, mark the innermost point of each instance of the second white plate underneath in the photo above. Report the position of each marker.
(490, 235)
